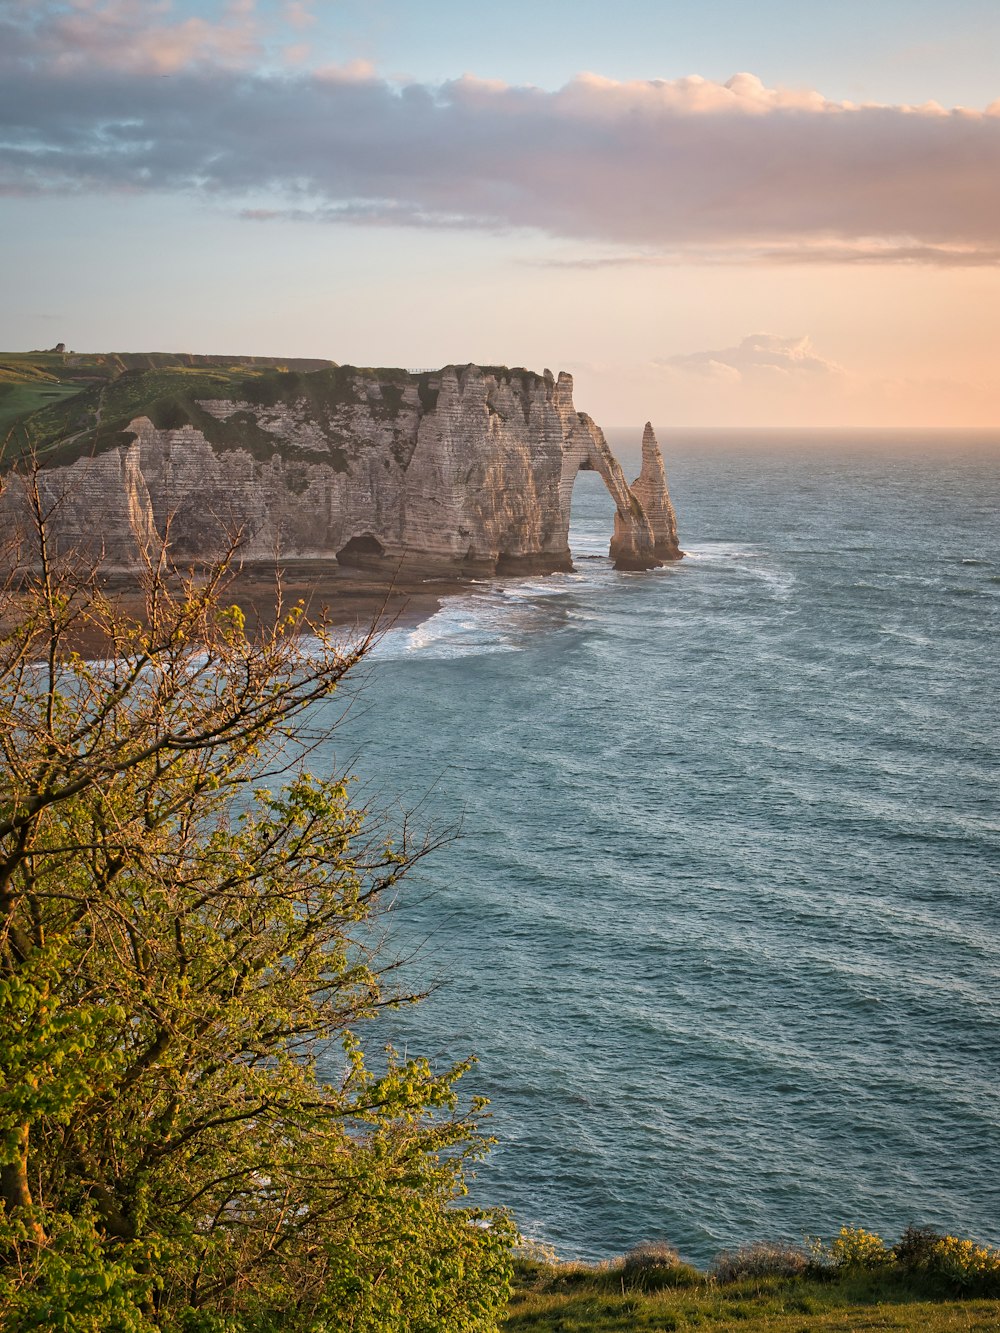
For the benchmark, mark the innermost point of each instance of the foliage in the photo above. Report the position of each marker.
(64, 408)
(958, 1264)
(938, 1264)
(762, 1258)
(550, 1296)
(853, 1247)
(74, 1281)
(191, 1136)
(653, 1266)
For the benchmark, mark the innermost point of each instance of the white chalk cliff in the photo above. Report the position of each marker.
(463, 468)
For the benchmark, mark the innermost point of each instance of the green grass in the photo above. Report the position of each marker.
(578, 1299)
(63, 407)
(44, 382)
(17, 400)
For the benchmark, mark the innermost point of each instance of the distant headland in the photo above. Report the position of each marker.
(464, 471)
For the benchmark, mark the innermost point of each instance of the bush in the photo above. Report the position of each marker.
(654, 1266)
(855, 1248)
(972, 1268)
(944, 1264)
(178, 945)
(914, 1250)
(764, 1258)
(960, 1265)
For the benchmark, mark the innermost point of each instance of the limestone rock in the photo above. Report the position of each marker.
(650, 488)
(466, 468)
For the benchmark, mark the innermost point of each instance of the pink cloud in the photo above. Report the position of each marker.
(661, 170)
(758, 354)
(298, 13)
(144, 36)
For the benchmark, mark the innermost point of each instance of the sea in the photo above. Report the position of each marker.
(721, 916)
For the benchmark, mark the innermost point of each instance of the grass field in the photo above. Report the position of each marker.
(33, 381)
(573, 1299)
(17, 400)
(62, 407)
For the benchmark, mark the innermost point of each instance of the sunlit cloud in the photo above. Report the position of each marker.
(802, 251)
(138, 36)
(298, 13)
(657, 172)
(765, 354)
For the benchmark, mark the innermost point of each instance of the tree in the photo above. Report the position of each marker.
(180, 936)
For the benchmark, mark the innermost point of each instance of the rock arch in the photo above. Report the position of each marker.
(633, 542)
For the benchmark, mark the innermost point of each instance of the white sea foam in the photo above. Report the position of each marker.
(744, 560)
(907, 635)
(463, 627)
(499, 617)
(718, 550)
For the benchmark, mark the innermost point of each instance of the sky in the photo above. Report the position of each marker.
(713, 213)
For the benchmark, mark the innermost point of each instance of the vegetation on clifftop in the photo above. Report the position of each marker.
(61, 407)
(925, 1282)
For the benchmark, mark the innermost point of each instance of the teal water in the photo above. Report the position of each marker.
(722, 926)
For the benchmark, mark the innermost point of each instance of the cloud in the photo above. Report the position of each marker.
(141, 36)
(298, 13)
(757, 355)
(800, 251)
(668, 170)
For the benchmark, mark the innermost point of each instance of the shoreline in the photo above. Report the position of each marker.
(352, 601)
(350, 604)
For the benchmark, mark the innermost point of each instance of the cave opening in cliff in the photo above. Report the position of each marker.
(592, 515)
(361, 551)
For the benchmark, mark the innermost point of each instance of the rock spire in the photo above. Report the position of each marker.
(650, 489)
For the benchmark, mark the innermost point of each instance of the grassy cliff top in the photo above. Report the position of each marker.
(53, 397)
(63, 405)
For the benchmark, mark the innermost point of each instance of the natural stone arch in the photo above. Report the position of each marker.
(633, 544)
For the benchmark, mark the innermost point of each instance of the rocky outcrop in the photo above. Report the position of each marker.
(465, 468)
(650, 489)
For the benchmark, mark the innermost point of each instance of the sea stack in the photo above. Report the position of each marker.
(650, 489)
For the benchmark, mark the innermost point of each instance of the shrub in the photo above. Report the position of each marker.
(655, 1265)
(531, 1251)
(856, 1248)
(914, 1250)
(764, 1258)
(959, 1264)
(971, 1267)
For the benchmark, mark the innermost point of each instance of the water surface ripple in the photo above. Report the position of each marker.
(722, 925)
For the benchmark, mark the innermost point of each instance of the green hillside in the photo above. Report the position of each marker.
(33, 380)
(63, 406)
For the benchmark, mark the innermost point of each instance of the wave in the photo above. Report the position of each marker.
(462, 627)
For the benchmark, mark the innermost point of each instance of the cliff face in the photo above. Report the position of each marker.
(465, 468)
